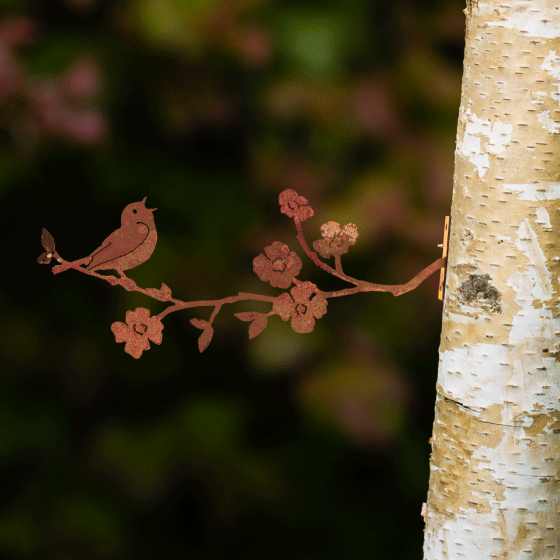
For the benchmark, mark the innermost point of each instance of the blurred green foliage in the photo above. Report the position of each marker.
(285, 446)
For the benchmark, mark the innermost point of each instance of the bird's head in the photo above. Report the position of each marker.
(137, 213)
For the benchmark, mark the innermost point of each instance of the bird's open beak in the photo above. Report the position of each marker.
(144, 203)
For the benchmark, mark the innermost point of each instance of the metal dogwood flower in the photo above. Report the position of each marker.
(300, 308)
(138, 330)
(304, 303)
(336, 240)
(279, 267)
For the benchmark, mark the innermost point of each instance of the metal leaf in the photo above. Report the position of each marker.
(47, 241)
(205, 338)
(44, 258)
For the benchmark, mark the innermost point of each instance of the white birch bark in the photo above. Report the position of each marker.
(495, 464)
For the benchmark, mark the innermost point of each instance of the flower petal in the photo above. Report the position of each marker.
(121, 331)
(155, 327)
(137, 346)
(303, 323)
(131, 318)
(142, 315)
(284, 306)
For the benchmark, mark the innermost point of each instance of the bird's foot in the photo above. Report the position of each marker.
(128, 283)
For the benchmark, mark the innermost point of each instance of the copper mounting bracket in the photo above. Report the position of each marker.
(445, 245)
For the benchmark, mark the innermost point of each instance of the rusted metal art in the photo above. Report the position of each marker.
(127, 247)
(134, 242)
(442, 274)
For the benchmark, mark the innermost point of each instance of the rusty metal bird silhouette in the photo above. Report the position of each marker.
(127, 247)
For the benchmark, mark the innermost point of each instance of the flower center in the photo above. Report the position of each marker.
(301, 309)
(140, 328)
(278, 265)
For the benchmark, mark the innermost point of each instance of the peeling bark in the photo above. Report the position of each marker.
(495, 465)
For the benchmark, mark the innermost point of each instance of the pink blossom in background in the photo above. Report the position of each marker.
(49, 103)
(87, 126)
(81, 80)
(13, 32)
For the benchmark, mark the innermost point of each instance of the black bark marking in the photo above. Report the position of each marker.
(479, 289)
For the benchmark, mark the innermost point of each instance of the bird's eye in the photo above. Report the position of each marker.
(134, 211)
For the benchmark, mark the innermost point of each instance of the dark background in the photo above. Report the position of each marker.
(286, 446)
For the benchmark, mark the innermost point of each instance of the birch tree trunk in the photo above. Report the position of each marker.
(495, 464)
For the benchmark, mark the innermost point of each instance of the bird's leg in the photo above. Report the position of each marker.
(128, 283)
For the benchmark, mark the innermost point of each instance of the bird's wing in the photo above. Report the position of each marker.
(117, 245)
